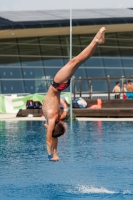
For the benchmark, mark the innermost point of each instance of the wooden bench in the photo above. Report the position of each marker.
(110, 108)
(33, 112)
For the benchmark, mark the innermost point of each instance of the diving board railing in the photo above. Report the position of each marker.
(90, 94)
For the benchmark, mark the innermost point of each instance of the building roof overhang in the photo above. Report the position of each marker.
(57, 22)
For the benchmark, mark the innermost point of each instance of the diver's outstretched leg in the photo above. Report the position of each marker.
(69, 69)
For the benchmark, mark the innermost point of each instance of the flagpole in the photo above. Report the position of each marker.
(70, 59)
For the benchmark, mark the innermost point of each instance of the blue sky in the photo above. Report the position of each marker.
(6, 5)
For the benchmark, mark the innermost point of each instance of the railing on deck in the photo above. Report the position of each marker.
(92, 95)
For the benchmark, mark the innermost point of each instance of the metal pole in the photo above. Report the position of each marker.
(70, 59)
(80, 86)
(90, 89)
(122, 80)
(108, 79)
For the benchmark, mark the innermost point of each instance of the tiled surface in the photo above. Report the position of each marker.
(10, 117)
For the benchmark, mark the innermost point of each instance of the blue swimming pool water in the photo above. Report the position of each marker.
(96, 162)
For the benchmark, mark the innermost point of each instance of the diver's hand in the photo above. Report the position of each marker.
(54, 158)
(49, 147)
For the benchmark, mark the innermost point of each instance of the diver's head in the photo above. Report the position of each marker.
(59, 129)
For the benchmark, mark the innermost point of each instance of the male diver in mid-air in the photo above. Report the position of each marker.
(51, 105)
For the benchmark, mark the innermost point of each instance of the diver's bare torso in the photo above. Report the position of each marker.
(51, 104)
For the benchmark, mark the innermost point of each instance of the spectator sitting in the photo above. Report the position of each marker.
(116, 90)
(37, 105)
(29, 104)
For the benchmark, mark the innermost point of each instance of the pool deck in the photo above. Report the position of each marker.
(12, 117)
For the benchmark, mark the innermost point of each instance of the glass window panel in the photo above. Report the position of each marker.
(99, 86)
(30, 52)
(49, 40)
(125, 43)
(65, 40)
(9, 53)
(114, 72)
(65, 48)
(66, 60)
(126, 51)
(42, 86)
(53, 62)
(81, 73)
(34, 72)
(114, 62)
(83, 39)
(52, 51)
(76, 47)
(28, 73)
(110, 51)
(39, 72)
(76, 50)
(86, 39)
(8, 47)
(30, 86)
(9, 61)
(50, 46)
(81, 84)
(65, 45)
(127, 62)
(25, 61)
(9, 87)
(110, 40)
(94, 62)
(65, 51)
(28, 46)
(111, 57)
(8, 40)
(96, 59)
(95, 72)
(125, 35)
(30, 41)
(128, 72)
(50, 72)
(10, 73)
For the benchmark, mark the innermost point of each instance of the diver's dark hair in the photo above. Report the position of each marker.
(59, 130)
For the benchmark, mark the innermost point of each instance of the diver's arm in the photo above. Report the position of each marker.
(49, 141)
(55, 144)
